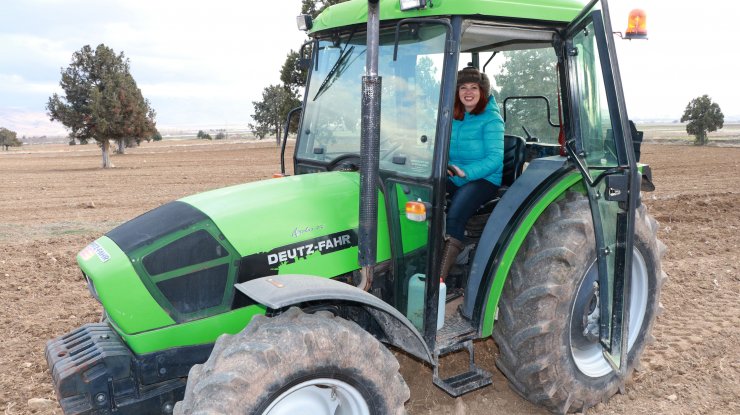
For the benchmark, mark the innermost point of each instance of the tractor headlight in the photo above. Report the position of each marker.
(304, 22)
(413, 4)
(91, 288)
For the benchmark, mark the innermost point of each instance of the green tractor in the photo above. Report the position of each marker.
(284, 296)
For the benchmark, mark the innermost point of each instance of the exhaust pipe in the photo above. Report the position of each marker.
(370, 150)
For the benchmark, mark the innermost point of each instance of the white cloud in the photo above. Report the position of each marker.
(14, 84)
(31, 49)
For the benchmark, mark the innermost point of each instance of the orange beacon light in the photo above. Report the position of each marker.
(636, 25)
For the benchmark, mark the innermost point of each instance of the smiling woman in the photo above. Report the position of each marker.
(476, 158)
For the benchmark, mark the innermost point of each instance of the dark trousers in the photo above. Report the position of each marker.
(465, 200)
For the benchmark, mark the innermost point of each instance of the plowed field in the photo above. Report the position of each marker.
(55, 199)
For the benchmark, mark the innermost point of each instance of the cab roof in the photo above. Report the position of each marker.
(354, 12)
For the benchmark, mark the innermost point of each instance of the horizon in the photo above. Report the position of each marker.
(187, 132)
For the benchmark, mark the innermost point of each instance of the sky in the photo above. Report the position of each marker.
(202, 64)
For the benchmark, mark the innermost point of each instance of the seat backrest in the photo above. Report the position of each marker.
(515, 151)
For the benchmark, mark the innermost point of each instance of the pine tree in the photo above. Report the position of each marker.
(102, 101)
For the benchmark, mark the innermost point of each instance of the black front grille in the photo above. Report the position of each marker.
(191, 249)
(95, 373)
(196, 291)
(83, 360)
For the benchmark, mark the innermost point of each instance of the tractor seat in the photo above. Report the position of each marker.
(515, 152)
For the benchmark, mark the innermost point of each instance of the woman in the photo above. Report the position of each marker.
(476, 157)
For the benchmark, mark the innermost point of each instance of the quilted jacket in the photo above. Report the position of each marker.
(477, 145)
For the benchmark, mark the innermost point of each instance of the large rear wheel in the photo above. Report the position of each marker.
(297, 363)
(547, 330)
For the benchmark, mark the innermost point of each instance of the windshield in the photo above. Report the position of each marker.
(410, 98)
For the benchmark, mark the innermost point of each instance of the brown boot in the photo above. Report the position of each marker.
(449, 255)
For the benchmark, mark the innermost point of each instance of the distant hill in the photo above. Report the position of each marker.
(31, 124)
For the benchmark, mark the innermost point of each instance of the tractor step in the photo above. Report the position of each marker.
(464, 382)
(456, 331)
(460, 384)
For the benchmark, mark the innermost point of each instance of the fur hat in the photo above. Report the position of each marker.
(470, 74)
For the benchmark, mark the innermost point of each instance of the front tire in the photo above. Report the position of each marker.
(297, 363)
(549, 298)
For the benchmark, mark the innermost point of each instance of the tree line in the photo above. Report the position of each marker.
(102, 102)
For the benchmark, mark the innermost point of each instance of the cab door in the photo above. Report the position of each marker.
(601, 147)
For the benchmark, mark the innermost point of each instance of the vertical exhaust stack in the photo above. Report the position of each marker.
(370, 149)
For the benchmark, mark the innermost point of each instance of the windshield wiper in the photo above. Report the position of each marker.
(335, 70)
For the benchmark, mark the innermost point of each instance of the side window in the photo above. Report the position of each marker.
(596, 97)
(524, 82)
(593, 109)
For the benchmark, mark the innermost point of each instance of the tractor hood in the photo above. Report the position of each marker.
(179, 262)
(261, 216)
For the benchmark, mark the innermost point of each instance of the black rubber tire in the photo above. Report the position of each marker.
(533, 327)
(249, 370)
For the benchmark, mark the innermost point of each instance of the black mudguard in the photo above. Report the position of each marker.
(504, 220)
(281, 291)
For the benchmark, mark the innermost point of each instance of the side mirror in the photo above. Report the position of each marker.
(304, 55)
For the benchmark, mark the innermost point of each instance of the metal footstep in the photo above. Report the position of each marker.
(460, 384)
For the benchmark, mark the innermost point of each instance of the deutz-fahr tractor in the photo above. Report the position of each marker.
(287, 295)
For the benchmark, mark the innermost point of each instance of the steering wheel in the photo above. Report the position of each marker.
(344, 162)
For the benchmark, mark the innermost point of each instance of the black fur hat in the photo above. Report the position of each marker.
(470, 74)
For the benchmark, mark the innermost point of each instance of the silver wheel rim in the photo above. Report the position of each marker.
(320, 397)
(591, 361)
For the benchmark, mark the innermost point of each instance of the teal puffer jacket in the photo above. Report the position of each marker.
(477, 145)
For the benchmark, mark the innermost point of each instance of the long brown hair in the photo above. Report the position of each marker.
(458, 112)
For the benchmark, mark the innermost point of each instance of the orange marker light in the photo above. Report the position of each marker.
(636, 25)
(416, 211)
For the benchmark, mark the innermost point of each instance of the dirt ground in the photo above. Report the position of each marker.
(55, 199)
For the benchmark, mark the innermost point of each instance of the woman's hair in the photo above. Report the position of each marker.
(458, 112)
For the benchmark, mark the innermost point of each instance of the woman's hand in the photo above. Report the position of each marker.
(453, 170)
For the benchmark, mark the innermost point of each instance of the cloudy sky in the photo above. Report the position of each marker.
(201, 64)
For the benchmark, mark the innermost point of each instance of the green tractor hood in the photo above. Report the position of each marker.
(179, 262)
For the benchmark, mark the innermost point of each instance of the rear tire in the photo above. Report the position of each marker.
(318, 363)
(543, 350)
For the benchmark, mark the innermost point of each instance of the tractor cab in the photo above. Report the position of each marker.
(552, 76)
